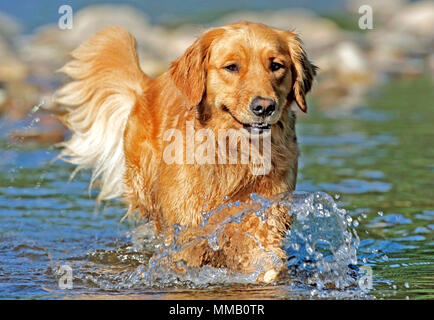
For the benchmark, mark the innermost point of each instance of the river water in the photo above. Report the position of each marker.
(364, 217)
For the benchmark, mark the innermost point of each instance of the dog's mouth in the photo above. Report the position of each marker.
(255, 127)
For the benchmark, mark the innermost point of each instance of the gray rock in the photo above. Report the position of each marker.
(11, 68)
(9, 27)
(416, 18)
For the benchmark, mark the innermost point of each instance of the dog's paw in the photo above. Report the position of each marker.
(268, 276)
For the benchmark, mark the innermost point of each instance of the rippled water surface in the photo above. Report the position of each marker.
(365, 204)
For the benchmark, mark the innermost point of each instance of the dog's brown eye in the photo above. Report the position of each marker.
(276, 66)
(232, 67)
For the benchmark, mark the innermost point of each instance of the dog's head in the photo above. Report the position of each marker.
(245, 74)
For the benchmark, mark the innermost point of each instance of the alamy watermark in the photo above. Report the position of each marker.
(366, 21)
(66, 19)
(65, 280)
(365, 281)
(226, 146)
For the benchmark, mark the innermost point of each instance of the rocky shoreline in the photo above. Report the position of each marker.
(352, 61)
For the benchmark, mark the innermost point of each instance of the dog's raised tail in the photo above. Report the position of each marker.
(107, 80)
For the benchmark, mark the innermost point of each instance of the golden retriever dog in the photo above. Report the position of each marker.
(241, 77)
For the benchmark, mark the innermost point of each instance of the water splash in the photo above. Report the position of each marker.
(321, 245)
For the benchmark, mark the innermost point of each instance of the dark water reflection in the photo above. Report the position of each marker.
(377, 162)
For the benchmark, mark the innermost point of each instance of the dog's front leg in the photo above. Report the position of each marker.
(238, 238)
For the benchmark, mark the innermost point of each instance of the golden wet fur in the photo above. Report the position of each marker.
(119, 116)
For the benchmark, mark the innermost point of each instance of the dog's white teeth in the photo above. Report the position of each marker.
(257, 128)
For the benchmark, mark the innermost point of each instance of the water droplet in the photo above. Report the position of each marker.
(213, 242)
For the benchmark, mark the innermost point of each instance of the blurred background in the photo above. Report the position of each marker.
(367, 138)
(351, 60)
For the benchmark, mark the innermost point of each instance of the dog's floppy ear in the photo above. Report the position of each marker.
(189, 71)
(303, 70)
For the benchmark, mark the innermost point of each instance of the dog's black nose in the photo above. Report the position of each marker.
(263, 107)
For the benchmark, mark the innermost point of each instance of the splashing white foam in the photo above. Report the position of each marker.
(321, 245)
